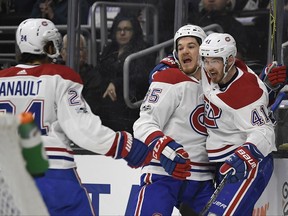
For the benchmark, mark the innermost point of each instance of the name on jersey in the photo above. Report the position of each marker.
(20, 88)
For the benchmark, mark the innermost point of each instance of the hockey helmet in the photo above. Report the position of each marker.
(189, 30)
(220, 45)
(33, 34)
(186, 31)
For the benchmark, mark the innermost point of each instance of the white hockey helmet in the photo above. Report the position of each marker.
(189, 30)
(220, 45)
(186, 31)
(33, 34)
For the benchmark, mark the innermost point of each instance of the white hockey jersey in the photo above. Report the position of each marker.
(53, 94)
(237, 115)
(174, 106)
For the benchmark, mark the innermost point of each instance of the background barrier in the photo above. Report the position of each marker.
(111, 184)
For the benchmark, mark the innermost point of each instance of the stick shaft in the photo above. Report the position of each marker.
(214, 196)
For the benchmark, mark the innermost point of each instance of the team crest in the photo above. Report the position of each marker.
(212, 113)
(227, 39)
(197, 120)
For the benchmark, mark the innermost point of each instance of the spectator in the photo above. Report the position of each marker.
(24, 7)
(166, 17)
(248, 4)
(57, 11)
(90, 76)
(127, 38)
(219, 12)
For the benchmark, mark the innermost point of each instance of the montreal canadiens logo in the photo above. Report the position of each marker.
(197, 120)
(227, 39)
(212, 113)
(44, 23)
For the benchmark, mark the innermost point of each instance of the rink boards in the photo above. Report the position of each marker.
(111, 183)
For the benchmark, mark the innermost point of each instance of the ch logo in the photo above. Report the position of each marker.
(285, 198)
(212, 113)
(197, 120)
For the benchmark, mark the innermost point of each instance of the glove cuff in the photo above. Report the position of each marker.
(249, 154)
(254, 151)
(160, 144)
(121, 146)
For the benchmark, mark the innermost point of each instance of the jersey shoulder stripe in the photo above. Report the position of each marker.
(242, 91)
(44, 69)
(171, 76)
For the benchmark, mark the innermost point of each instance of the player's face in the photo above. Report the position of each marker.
(188, 54)
(124, 32)
(214, 67)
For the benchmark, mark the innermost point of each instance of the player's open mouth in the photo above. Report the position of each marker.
(213, 74)
(187, 61)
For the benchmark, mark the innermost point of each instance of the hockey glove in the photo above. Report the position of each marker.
(241, 162)
(130, 149)
(173, 158)
(278, 75)
(165, 63)
(274, 76)
(169, 61)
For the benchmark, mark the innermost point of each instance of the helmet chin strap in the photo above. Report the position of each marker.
(190, 74)
(198, 66)
(226, 71)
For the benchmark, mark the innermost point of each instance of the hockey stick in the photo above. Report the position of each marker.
(281, 96)
(214, 195)
(275, 55)
(273, 38)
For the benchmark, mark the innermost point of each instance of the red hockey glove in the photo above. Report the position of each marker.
(241, 162)
(173, 158)
(130, 149)
(165, 63)
(169, 61)
(277, 75)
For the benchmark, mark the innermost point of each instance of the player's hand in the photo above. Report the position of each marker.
(173, 158)
(132, 150)
(111, 92)
(241, 162)
(274, 76)
(277, 75)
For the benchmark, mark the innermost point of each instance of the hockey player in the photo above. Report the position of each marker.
(53, 94)
(172, 113)
(241, 135)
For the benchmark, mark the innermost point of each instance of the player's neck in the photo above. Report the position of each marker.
(197, 74)
(34, 63)
(232, 74)
(39, 62)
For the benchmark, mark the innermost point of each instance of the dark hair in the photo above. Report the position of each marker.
(199, 40)
(29, 58)
(137, 37)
